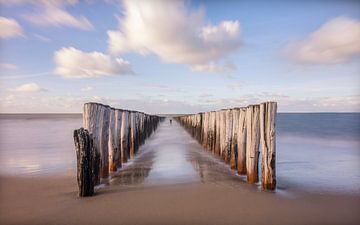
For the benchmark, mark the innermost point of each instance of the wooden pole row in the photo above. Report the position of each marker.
(235, 136)
(116, 135)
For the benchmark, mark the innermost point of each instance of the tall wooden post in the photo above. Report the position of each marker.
(91, 117)
(241, 142)
(85, 154)
(222, 126)
(124, 136)
(268, 143)
(234, 147)
(104, 142)
(114, 133)
(252, 143)
(228, 135)
(217, 135)
(132, 134)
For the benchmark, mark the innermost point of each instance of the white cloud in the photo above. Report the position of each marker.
(29, 87)
(55, 15)
(87, 88)
(168, 30)
(336, 41)
(7, 66)
(213, 67)
(41, 38)
(236, 85)
(52, 13)
(9, 28)
(74, 63)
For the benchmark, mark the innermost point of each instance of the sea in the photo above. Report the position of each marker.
(316, 152)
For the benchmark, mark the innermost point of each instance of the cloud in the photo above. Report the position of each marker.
(41, 38)
(213, 68)
(55, 15)
(52, 13)
(88, 88)
(73, 63)
(30, 87)
(236, 85)
(7, 66)
(10, 28)
(336, 41)
(168, 30)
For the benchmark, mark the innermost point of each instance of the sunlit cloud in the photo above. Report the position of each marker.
(7, 66)
(74, 63)
(29, 87)
(10, 28)
(336, 41)
(52, 13)
(175, 34)
(41, 38)
(87, 88)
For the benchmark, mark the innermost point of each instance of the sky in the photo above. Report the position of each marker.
(179, 56)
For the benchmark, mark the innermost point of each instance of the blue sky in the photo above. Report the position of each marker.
(179, 57)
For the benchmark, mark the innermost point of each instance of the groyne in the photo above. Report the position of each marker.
(235, 135)
(109, 138)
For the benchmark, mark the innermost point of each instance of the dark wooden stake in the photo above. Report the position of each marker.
(85, 154)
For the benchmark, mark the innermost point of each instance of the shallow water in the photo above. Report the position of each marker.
(315, 152)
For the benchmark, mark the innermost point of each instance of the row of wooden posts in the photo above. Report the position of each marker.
(235, 136)
(109, 138)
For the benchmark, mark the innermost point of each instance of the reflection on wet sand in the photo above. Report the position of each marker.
(172, 156)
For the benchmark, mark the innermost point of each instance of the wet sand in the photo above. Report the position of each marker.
(54, 201)
(171, 181)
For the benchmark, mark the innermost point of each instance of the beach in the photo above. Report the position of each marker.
(173, 180)
(55, 201)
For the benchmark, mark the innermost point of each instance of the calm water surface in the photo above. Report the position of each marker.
(315, 152)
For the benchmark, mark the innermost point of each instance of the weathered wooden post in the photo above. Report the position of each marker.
(252, 143)
(217, 136)
(228, 134)
(91, 117)
(268, 144)
(234, 147)
(132, 134)
(104, 141)
(124, 136)
(222, 126)
(114, 140)
(85, 154)
(212, 131)
(241, 142)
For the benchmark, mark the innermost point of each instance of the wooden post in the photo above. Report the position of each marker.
(222, 126)
(124, 136)
(241, 142)
(212, 131)
(85, 154)
(118, 116)
(228, 135)
(91, 117)
(132, 134)
(217, 135)
(104, 141)
(252, 143)
(114, 140)
(268, 143)
(235, 125)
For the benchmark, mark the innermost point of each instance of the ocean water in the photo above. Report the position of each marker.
(318, 152)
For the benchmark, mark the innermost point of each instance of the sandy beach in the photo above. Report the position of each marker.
(55, 201)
